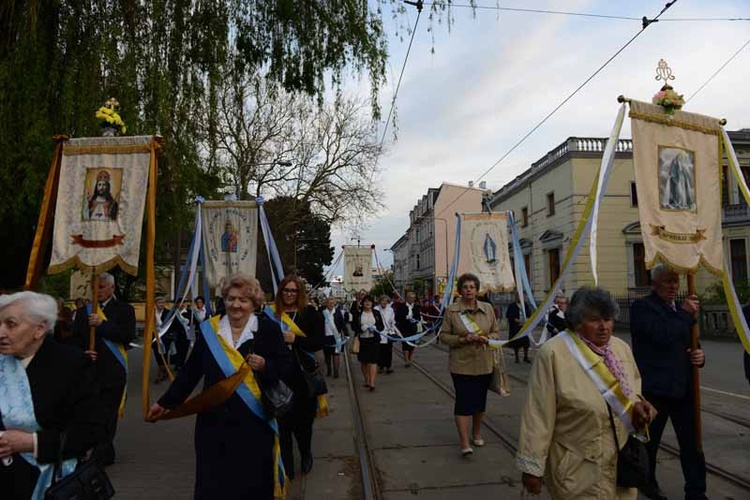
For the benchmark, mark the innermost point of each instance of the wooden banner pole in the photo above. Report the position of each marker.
(696, 371)
(150, 320)
(94, 308)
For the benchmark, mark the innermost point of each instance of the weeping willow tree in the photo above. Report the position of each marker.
(163, 60)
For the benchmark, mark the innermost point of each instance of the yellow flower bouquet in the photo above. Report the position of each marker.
(110, 119)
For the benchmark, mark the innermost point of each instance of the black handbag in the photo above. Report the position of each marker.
(87, 482)
(314, 379)
(277, 398)
(632, 460)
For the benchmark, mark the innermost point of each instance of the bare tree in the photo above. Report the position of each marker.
(271, 143)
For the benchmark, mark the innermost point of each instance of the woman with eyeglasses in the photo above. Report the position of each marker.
(304, 334)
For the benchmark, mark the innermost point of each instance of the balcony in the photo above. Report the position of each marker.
(735, 215)
(581, 145)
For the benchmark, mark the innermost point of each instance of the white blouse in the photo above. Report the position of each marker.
(366, 320)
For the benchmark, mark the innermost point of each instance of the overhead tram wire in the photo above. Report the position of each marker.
(646, 23)
(585, 14)
(418, 4)
(718, 71)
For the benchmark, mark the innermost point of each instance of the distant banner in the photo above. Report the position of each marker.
(487, 237)
(357, 268)
(100, 203)
(230, 233)
(677, 164)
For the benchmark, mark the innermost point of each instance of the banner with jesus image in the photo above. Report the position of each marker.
(677, 163)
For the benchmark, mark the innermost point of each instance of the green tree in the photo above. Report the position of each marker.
(383, 285)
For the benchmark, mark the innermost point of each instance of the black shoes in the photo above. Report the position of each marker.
(653, 492)
(307, 464)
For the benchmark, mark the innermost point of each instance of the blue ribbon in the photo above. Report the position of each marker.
(111, 345)
(518, 255)
(277, 270)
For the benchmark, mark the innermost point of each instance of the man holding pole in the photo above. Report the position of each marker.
(114, 328)
(661, 336)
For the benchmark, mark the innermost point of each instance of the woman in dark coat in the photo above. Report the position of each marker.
(234, 441)
(364, 321)
(291, 299)
(515, 322)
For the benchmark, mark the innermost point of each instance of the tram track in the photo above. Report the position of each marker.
(509, 441)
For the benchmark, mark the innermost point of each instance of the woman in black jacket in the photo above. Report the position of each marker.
(291, 306)
(367, 322)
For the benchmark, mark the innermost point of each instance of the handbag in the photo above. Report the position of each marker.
(314, 379)
(632, 460)
(354, 347)
(277, 398)
(499, 379)
(87, 482)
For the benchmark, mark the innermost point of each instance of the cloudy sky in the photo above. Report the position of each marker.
(497, 74)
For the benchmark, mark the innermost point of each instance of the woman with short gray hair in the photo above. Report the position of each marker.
(47, 391)
(567, 430)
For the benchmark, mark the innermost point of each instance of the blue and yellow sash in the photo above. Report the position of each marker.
(17, 412)
(230, 361)
(119, 352)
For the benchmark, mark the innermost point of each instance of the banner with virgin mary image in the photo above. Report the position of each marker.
(357, 268)
(100, 203)
(677, 164)
(230, 235)
(485, 248)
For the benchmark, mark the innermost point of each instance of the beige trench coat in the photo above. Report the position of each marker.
(470, 359)
(566, 435)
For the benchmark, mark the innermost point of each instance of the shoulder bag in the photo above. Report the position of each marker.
(632, 460)
(277, 398)
(314, 380)
(87, 482)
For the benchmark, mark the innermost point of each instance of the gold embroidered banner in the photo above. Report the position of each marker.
(100, 203)
(486, 237)
(677, 164)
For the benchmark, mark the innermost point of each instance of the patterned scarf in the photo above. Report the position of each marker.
(611, 362)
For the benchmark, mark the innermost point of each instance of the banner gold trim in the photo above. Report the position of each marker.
(674, 122)
(662, 233)
(112, 150)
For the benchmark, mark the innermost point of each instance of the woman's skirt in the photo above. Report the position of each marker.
(369, 350)
(471, 393)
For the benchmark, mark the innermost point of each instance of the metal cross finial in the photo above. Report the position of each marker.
(112, 103)
(664, 72)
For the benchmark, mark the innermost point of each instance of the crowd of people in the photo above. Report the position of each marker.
(589, 393)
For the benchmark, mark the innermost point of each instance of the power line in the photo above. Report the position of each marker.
(646, 24)
(718, 71)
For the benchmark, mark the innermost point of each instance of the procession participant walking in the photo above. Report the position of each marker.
(115, 330)
(660, 331)
(304, 334)
(335, 327)
(167, 338)
(567, 429)
(366, 322)
(408, 316)
(556, 318)
(181, 340)
(515, 322)
(236, 445)
(48, 391)
(385, 358)
(467, 327)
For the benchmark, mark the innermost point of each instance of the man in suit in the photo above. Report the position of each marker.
(660, 329)
(113, 335)
(407, 317)
(63, 395)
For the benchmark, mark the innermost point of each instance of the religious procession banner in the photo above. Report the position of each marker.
(230, 233)
(677, 161)
(357, 268)
(100, 203)
(485, 237)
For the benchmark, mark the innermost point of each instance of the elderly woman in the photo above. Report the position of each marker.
(47, 390)
(566, 430)
(385, 358)
(234, 439)
(468, 326)
(367, 322)
(335, 328)
(304, 334)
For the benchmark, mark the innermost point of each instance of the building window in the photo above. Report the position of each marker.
(550, 204)
(527, 263)
(724, 186)
(641, 274)
(553, 265)
(417, 262)
(633, 195)
(738, 255)
(524, 216)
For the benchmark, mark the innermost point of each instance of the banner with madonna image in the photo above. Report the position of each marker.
(230, 233)
(100, 203)
(677, 161)
(485, 242)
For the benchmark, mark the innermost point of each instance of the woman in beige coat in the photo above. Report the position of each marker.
(566, 433)
(467, 327)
